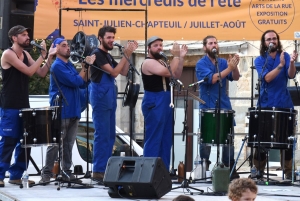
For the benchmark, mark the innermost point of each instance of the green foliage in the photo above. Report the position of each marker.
(39, 85)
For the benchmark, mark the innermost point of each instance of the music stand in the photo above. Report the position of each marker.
(131, 95)
(185, 182)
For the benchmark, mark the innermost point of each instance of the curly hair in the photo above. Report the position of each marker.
(239, 186)
(105, 29)
(183, 198)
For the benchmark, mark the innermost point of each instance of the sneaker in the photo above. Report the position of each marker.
(2, 183)
(45, 179)
(68, 176)
(19, 181)
(98, 176)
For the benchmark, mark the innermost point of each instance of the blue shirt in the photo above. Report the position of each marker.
(70, 83)
(274, 93)
(210, 92)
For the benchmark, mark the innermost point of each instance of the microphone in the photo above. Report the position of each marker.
(180, 82)
(271, 45)
(214, 50)
(204, 80)
(36, 45)
(75, 54)
(163, 55)
(118, 45)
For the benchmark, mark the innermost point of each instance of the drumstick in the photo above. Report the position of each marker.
(196, 98)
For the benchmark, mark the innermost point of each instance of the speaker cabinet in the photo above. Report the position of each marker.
(137, 177)
(12, 13)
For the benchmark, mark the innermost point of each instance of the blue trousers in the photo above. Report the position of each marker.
(158, 120)
(103, 100)
(10, 135)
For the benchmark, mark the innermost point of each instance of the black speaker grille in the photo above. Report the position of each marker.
(137, 177)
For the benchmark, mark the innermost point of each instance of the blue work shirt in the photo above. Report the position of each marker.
(70, 83)
(210, 92)
(274, 93)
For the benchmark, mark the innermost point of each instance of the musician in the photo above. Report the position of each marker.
(209, 91)
(70, 82)
(279, 67)
(17, 65)
(103, 97)
(157, 113)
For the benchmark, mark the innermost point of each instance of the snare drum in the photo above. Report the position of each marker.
(273, 125)
(208, 126)
(38, 126)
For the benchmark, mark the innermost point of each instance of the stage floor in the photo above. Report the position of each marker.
(76, 193)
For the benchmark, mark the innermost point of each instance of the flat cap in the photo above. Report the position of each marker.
(152, 39)
(17, 30)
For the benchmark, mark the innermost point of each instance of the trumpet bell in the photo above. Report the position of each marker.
(83, 45)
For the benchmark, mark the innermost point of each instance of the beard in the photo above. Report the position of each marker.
(64, 55)
(106, 46)
(24, 44)
(274, 48)
(156, 55)
(211, 54)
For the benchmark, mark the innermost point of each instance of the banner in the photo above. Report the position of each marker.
(170, 19)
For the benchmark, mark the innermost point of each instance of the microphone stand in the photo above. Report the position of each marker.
(57, 129)
(259, 83)
(172, 83)
(185, 182)
(218, 109)
(131, 106)
(88, 172)
(259, 175)
(81, 60)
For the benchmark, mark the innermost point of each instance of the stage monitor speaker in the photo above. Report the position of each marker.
(4, 24)
(137, 177)
(12, 13)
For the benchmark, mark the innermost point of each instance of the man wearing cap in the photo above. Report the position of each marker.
(103, 96)
(70, 82)
(157, 113)
(17, 66)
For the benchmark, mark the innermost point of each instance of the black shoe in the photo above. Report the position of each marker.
(289, 176)
(68, 176)
(234, 175)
